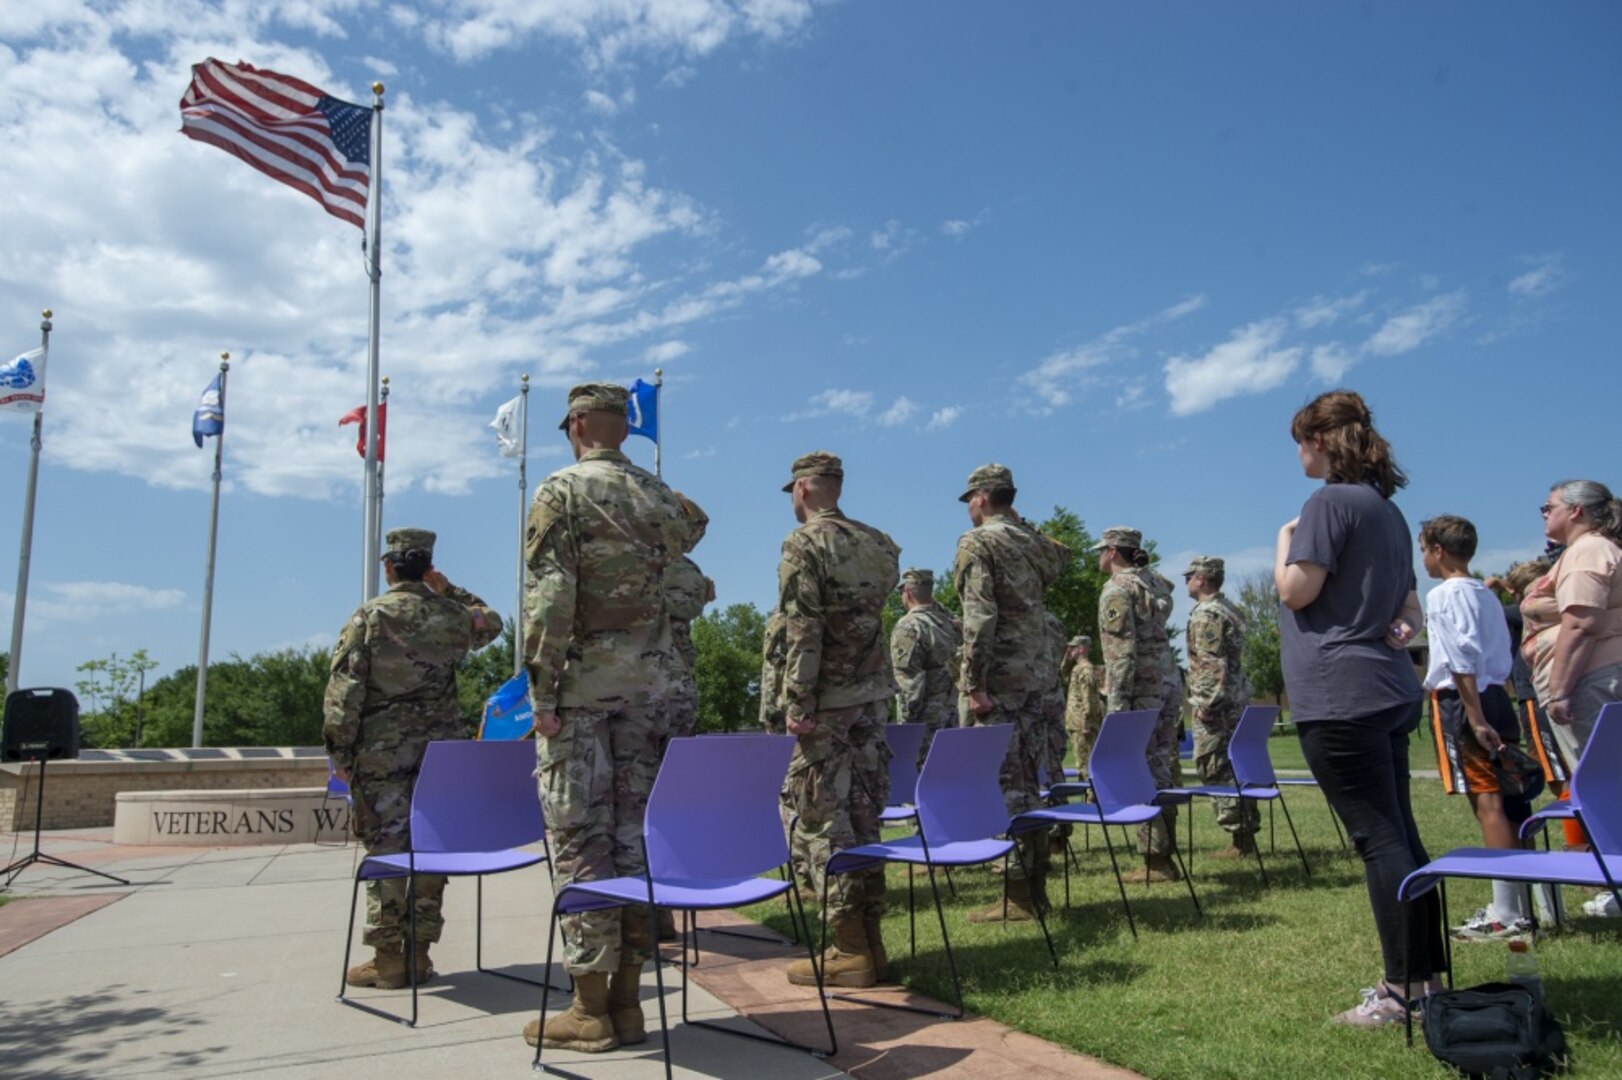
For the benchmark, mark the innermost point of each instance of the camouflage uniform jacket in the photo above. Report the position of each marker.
(1171, 675)
(601, 533)
(924, 648)
(1084, 708)
(1132, 614)
(1058, 642)
(774, 644)
(1216, 647)
(834, 578)
(394, 665)
(687, 590)
(1001, 570)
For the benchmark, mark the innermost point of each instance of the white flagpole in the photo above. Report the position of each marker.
(523, 519)
(208, 573)
(25, 554)
(658, 419)
(374, 239)
(377, 524)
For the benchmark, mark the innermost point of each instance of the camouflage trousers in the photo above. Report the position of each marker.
(838, 784)
(1211, 736)
(594, 776)
(1053, 727)
(681, 710)
(385, 772)
(937, 714)
(1156, 836)
(1027, 749)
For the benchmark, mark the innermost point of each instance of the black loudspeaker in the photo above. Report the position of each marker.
(40, 724)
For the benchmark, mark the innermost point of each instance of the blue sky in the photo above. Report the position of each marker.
(1112, 246)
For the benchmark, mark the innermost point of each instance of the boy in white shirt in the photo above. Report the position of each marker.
(1473, 716)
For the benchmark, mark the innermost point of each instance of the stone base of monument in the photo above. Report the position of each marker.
(227, 818)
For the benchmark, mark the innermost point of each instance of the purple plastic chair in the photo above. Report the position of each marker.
(1123, 790)
(1253, 776)
(706, 844)
(1596, 803)
(961, 814)
(336, 790)
(904, 740)
(474, 806)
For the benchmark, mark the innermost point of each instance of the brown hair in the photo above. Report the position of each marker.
(1522, 574)
(1451, 533)
(1357, 453)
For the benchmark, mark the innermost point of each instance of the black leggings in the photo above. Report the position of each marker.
(1362, 767)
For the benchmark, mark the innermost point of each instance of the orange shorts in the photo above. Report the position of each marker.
(1462, 760)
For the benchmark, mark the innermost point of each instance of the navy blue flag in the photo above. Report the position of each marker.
(508, 715)
(643, 410)
(209, 419)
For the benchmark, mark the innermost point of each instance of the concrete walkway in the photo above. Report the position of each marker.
(226, 961)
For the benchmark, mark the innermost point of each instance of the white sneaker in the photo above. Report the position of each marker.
(1483, 927)
(1602, 906)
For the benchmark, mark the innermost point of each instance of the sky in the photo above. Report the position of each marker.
(1112, 246)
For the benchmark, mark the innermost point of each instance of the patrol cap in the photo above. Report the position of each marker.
(924, 579)
(1204, 564)
(400, 541)
(1120, 536)
(596, 397)
(1079, 640)
(816, 463)
(697, 519)
(986, 478)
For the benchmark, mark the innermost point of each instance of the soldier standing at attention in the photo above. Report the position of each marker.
(1002, 567)
(1218, 693)
(1083, 707)
(924, 650)
(1133, 609)
(601, 667)
(687, 590)
(834, 577)
(393, 691)
(1053, 700)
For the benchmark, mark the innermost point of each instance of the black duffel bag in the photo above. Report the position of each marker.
(1498, 1031)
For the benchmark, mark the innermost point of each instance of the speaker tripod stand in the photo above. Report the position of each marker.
(38, 856)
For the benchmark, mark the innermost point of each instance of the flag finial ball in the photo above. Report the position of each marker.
(385, 380)
(658, 373)
(377, 88)
(225, 356)
(523, 378)
(46, 313)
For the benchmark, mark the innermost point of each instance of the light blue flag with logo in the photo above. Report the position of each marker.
(22, 383)
(209, 419)
(643, 410)
(508, 715)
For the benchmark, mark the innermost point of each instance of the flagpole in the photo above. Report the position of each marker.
(208, 572)
(659, 419)
(383, 400)
(523, 518)
(374, 242)
(25, 554)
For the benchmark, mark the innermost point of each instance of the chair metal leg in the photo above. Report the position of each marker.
(912, 919)
(411, 958)
(1041, 916)
(1188, 879)
(349, 939)
(1261, 866)
(1119, 884)
(1293, 835)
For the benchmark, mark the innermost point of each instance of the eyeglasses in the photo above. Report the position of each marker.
(1546, 508)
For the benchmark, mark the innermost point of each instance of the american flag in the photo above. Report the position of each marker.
(285, 128)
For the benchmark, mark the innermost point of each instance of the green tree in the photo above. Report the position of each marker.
(5, 664)
(481, 674)
(1258, 600)
(727, 645)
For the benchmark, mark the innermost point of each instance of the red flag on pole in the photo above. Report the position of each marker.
(357, 415)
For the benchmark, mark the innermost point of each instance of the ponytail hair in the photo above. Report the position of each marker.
(1357, 453)
(1597, 504)
(1137, 557)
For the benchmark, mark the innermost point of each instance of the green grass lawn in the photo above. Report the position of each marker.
(1247, 990)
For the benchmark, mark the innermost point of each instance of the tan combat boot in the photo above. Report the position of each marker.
(625, 1005)
(425, 966)
(586, 1026)
(873, 928)
(1244, 846)
(846, 963)
(385, 971)
(1161, 868)
(1022, 902)
(667, 925)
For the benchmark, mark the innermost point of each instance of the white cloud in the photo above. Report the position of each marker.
(706, 452)
(666, 351)
(956, 227)
(1327, 310)
(379, 66)
(1331, 361)
(852, 403)
(1132, 396)
(898, 413)
(1547, 274)
(943, 418)
(1056, 378)
(824, 237)
(599, 102)
(1249, 362)
(1412, 328)
(88, 601)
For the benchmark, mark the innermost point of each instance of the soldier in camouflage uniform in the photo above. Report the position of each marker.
(601, 664)
(1218, 692)
(1053, 700)
(1133, 609)
(687, 590)
(772, 647)
(392, 691)
(834, 578)
(1001, 570)
(1084, 706)
(925, 649)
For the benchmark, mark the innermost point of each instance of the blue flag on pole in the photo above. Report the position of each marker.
(643, 410)
(209, 419)
(508, 714)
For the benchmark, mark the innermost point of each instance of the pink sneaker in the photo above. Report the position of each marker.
(1381, 1006)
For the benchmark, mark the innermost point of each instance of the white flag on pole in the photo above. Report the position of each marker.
(22, 383)
(505, 425)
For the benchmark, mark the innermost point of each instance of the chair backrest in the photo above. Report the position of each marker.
(713, 810)
(959, 794)
(1247, 748)
(476, 796)
(1119, 763)
(1596, 786)
(335, 786)
(904, 741)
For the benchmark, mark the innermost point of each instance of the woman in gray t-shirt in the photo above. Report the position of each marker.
(1345, 573)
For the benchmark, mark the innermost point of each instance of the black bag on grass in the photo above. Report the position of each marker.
(1498, 1031)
